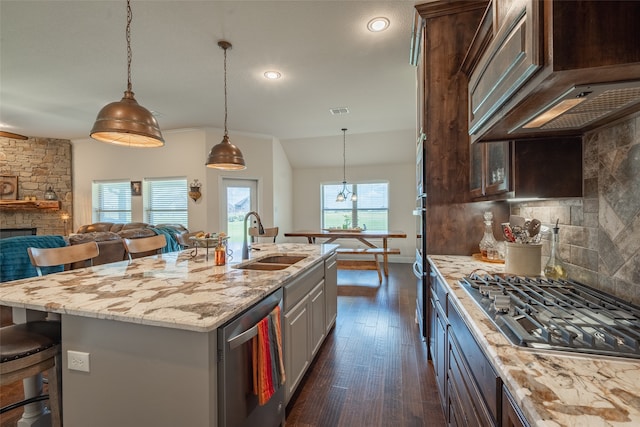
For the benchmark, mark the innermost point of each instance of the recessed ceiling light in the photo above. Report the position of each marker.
(272, 75)
(378, 24)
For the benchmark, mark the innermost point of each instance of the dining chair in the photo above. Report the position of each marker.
(183, 239)
(268, 233)
(144, 246)
(68, 256)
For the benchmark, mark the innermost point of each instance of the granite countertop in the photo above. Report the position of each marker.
(552, 388)
(174, 290)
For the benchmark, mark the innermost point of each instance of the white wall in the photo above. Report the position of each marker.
(401, 178)
(282, 190)
(288, 198)
(183, 154)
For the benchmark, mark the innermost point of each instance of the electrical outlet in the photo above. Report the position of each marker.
(77, 361)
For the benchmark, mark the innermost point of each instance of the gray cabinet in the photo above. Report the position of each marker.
(297, 341)
(309, 302)
(331, 291)
(318, 325)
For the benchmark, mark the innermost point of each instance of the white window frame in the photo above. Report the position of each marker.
(352, 209)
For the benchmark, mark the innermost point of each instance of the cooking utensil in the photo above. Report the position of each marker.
(507, 232)
(534, 228)
(516, 220)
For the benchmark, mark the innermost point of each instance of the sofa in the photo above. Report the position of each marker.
(109, 237)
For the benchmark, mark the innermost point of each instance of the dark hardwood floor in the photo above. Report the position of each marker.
(373, 369)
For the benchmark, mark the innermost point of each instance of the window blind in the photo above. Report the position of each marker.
(166, 201)
(112, 201)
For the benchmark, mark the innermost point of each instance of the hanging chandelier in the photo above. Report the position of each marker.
(344, 193)
(126, 122)
(225, 155)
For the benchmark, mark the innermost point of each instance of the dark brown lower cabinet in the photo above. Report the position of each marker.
(471, 391)
(473, 386)
(511, 414)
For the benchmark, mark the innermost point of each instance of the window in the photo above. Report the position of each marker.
(166, 201)
(112, 201)
(370, 210)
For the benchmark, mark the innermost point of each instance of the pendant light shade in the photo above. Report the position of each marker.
(225, 155)
(126, 122)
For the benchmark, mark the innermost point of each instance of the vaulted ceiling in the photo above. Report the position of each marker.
(61, 61)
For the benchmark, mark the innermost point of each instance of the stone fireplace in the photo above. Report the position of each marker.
(39, 163)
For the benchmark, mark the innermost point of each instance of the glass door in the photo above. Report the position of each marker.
(239, 196)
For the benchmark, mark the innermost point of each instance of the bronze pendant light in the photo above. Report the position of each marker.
(225, 155)
(126, 122)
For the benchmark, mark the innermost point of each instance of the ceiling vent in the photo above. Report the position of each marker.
(582, 105)
(339, 110)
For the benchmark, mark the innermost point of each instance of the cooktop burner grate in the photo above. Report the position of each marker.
(557, 314)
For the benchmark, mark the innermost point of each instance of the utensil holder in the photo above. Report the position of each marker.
(523, 259)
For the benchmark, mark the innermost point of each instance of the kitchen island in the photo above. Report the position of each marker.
(550, 388)
(150, 328)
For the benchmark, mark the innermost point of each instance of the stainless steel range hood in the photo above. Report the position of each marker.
(581, 105)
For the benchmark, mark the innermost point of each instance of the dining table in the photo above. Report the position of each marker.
(363, 236)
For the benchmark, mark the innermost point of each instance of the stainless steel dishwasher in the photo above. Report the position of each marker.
(237, 405)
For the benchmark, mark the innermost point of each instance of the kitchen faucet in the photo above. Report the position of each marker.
(245, 245)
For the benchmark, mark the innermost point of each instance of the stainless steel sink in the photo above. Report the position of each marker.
(282, 259)
(272, 262)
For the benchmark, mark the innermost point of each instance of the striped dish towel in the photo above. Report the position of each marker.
(268, 366)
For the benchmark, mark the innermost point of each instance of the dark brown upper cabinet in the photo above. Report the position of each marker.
(537, 168)
(489, 174)
(531, 57)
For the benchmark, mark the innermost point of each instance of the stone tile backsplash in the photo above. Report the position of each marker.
(600, 232)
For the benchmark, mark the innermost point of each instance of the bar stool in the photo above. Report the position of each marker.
(144, 245)
(268, 233)
(31, 348)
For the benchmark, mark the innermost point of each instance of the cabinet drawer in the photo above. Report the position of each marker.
(486, 379)
(461, 384)
(439, 291)
(301, 286)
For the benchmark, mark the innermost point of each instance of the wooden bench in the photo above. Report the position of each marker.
(364, 264)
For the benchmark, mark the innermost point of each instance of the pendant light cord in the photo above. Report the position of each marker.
(225, 92)
(129, 54)
(344, 157)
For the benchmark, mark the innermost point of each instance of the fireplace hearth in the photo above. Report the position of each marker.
(12, 232)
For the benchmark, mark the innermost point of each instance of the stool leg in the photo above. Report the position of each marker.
(55, 392)
(34, 413)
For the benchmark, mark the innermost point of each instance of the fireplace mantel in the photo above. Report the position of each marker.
(52, 205)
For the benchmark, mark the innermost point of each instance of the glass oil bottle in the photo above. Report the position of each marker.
(220, 253)
(555, 268)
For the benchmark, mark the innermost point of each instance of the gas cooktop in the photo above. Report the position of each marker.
(557, 315)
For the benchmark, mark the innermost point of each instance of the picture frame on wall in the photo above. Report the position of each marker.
(8, 187)
(136, 188)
